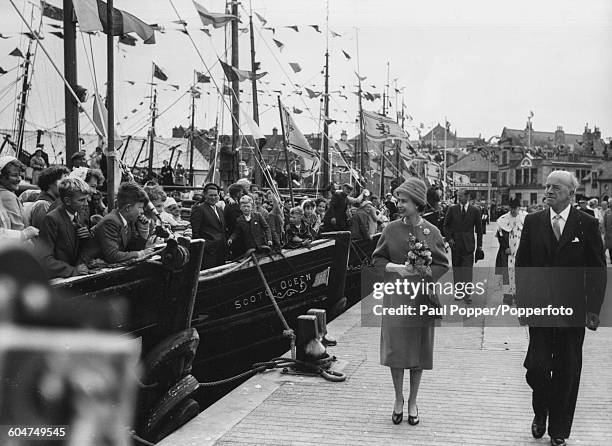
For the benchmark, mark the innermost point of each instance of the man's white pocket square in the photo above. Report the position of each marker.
(576, 240)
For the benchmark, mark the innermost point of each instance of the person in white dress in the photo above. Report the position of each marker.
(511, 223)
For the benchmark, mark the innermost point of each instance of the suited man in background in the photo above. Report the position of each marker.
(462, 221)
(208, 223)
(560, 262)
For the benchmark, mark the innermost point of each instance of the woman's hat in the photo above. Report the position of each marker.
(170, 202)
(415, 189)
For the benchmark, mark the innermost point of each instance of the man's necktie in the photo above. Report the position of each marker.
(557, 226)
(463, 211)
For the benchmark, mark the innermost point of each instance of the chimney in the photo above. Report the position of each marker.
(596, 133)
(274, 131)
(559, 138)
(343, 136)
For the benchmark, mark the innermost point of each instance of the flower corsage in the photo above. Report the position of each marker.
(419, 256)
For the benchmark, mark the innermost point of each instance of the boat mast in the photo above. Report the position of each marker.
(382, 156)
(71, 108)
(25, 88)
(398, 144)
(191, 146)
(152, 128)
(258, 165)
(326, 165)
(110, 104)
(361, 128)
(235, 82)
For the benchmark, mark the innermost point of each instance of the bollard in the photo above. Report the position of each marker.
(309, 347)
(321, 315)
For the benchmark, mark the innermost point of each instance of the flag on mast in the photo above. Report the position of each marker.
(381, 128)
(217, 20)
(298, 144)
(159, 73)
(234, 74)
(91, 15)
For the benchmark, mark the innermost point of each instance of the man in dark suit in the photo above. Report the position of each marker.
(560, 262)
(122, 234)
(208, 223)
(231, 213)
(582, 206)
(62, 240)
(461, 222)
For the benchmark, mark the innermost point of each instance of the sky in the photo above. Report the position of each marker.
(480, 64)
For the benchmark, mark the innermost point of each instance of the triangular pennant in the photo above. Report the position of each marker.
(3, 71)
(270, 29)
(180, 22)
(261, 19)
(207, 31)
(159, 73)
(184, 31)
(361, 78)
(279, 44)
(315, 27)
(16, 52)
(297, 111)
(58, 34)
(201, 78)
(51, 11)
(295, 67)
(335, 34)
(312, 94)
(2, 36)
(126, 39)
(293, 27)
(348, 57)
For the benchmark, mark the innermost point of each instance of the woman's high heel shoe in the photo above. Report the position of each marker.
(397, 417)
(414, 420)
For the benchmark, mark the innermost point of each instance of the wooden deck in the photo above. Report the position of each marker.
(476, 394)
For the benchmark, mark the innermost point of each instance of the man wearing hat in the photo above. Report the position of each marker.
(461, 222)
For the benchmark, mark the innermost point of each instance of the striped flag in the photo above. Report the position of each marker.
(217, 20)
(298, 144)
(91, 15)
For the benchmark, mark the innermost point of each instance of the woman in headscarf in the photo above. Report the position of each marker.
(406, 342)
(509, 228)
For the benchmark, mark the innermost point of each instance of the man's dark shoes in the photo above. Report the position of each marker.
(557, 442)
(538, 426)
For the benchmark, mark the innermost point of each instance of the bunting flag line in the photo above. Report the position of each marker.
(298, 144)
(217, 20)
(295, 67)
(380, 128)
(279, 44)
(91, 15)
(348, 57)
(16, 52)
(335, 34)
(315, 27)
(261, 19)
(159, 73)
(102, 123)
(52, 12)
(293, 27)
(201, 78)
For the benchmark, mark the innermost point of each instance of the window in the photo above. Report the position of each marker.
(534, 198)
(504, 178)
(519, 177)
(504, 158)
(534, 175)
(493, 178)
